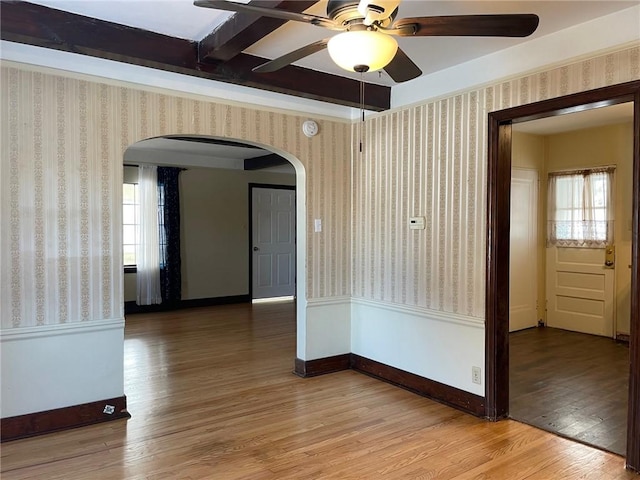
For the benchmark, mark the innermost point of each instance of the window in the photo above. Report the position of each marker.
(580, 208)
(130, 223)
(167, 211)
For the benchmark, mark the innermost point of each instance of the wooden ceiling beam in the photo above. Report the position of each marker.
(240, 31)
(41, 26)
(316, 85)
(266, 161)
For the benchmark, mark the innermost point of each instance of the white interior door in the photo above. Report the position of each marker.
(523, 261)
(274, 246)
(580, 290)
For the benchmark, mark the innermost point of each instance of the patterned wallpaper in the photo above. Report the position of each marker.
(62, 145)
(430, 160)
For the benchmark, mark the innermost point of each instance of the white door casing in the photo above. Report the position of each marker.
(580, 290)
(523, 261)
(273, 242)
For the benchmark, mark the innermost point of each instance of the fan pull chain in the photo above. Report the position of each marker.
(361, 128)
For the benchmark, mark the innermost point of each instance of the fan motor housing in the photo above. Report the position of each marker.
(346, 11)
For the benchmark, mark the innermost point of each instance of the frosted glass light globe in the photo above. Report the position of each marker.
(362, 48)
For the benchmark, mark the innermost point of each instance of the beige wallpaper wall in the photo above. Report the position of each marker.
(430, 160)
(62, 143)
(63, 139)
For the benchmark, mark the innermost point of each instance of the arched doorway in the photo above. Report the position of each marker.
(202, 153)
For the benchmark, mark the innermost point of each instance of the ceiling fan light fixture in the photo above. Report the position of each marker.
(356, 50)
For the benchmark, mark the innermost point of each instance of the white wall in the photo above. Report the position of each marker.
(327, 334)
(215, 229)
(441, 347)
(45, 368)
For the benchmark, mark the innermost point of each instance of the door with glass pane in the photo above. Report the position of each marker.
(579, 273)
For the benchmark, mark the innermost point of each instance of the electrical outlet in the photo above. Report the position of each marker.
(109, 409)
(476, 375)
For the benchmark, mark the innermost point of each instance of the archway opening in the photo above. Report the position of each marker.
(215, 233)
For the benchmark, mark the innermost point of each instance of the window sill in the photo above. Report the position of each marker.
(130, 269)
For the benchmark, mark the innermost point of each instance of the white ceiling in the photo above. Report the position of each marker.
(596, 117)
(182, 19)
(177, 18)
(175, 146)
(184, 153)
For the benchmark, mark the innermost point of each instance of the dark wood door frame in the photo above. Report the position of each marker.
(498, 225)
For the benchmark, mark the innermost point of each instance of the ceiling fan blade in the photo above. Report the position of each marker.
(402, 68)
(269, 12)
(508, 25)
(284, 60)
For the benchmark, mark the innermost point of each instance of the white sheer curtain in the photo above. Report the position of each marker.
(148, 250)
(580, 208)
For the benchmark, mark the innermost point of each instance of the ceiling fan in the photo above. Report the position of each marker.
(368, 28)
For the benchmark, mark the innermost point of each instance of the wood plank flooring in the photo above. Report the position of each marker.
(212, 396)
(571, 383)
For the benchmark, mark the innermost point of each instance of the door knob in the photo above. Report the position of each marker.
(255, 249)
(610, 256)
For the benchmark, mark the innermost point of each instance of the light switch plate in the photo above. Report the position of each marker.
(416, 223)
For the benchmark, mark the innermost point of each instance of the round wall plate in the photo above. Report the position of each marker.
(310, 128)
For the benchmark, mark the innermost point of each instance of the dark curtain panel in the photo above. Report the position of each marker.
(169, 222)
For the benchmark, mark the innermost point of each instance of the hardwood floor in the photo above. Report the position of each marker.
(212, 396)
(570, 383)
